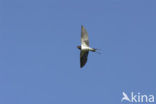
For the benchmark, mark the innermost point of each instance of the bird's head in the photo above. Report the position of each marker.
(79, 47)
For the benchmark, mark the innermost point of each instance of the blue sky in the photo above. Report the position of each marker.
(39, 61)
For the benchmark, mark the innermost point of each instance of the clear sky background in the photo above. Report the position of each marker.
(39, 61)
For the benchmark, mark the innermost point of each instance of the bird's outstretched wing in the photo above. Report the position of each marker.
(83, 58)
(84, 36)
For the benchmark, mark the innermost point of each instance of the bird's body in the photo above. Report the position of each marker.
(84, 48)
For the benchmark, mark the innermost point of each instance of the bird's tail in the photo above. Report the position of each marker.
(98, 51)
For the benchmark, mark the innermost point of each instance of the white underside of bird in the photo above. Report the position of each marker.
(84, 47)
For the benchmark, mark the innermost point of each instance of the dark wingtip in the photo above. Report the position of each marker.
(81, 66)
(81, 26)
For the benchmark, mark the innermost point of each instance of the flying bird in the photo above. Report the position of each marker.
(84, 48)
